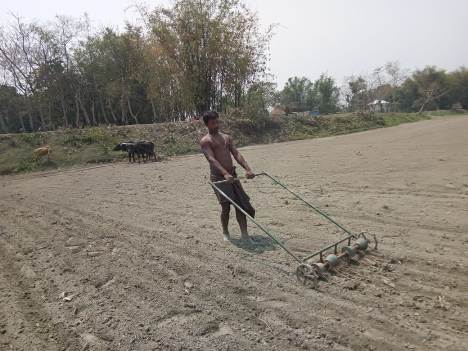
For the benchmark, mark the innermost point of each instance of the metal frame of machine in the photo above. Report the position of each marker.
(309, 272)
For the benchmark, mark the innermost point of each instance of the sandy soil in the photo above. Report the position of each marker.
(130, 257)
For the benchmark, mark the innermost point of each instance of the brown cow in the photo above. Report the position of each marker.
(42, 151)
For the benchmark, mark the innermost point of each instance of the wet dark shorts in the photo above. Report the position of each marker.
(235, 191)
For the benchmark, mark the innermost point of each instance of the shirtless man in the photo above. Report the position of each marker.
(218, 148)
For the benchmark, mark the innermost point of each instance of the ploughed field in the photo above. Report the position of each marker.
(131, 257)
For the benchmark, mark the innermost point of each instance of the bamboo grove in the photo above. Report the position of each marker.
(178, 62)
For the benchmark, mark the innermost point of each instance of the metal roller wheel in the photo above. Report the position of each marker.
(365, 234)
(320, 270)
(362, 244)
(307, 276)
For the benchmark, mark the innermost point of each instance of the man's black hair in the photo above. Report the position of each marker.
(208, 115)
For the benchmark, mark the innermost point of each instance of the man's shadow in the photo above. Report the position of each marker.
(260, 244)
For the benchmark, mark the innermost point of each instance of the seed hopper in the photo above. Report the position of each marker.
(320, 264)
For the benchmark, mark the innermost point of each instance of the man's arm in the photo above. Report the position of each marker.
(209, 154)
(240, 160)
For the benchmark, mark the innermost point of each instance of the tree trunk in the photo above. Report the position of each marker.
(41, 116)
(20, 114)
(122, 107)
(64, 109)
(103, 111)
(221, 87)
(77, 103)
(423, 105)
(114, 117)
(153, 108)
(134, 116)
(3, 125)
(30, 117)
(85, 113)
(93, 113)
(49, 116)
(431, 97)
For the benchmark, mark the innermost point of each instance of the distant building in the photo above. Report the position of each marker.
(378, 106)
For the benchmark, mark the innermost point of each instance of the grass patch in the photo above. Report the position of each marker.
(33, 139)
(174, 146)
(95, 145)
(442, 113)
(95, 135)
(394, 119)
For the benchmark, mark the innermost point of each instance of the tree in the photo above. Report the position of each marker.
(18, 46)
(327, 94)
(259, 97)
(188, 57)
(458, 87)
(298, 94)
(217, 47)
(38, 61)
(356, 93)
(185, 58)
(407, 94)
(432, 87)
(9, 103)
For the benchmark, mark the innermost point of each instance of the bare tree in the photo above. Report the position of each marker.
(16, 43)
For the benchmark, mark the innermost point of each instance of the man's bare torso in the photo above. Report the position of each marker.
(221, 145)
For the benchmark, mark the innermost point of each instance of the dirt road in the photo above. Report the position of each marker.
(130, 257)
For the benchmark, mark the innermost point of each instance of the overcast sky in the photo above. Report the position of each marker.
(340, 37)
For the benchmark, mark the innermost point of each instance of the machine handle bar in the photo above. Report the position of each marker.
(235, 179)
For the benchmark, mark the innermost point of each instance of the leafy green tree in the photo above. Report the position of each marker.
(10, 100)
(432, 87)
(298, 94)
(356, 93)
(407, 94)
(426, 89)
(327, 94)
(185, 58)
(216, 46)
(259, 97)
(458, 84)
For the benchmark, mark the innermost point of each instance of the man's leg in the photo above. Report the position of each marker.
(225, 208)
(242, 220)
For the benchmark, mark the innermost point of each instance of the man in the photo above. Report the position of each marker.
(218, 148)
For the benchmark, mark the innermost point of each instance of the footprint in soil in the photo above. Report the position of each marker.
(260, 244)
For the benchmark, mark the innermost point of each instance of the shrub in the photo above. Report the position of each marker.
(34, 139)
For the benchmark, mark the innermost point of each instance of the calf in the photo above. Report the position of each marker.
(127, 146)
(42, 151)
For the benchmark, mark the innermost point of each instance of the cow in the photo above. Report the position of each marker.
(128, 147)
(42, 151)
(147, 149)
(143, 149)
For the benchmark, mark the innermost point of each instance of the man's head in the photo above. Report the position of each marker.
(210, 118)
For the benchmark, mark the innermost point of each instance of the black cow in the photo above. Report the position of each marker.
(147, 149)
(143, 149)
(127, 146)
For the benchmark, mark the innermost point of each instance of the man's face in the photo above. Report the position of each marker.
(213, 125)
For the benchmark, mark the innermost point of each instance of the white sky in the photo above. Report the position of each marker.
(340, 37)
